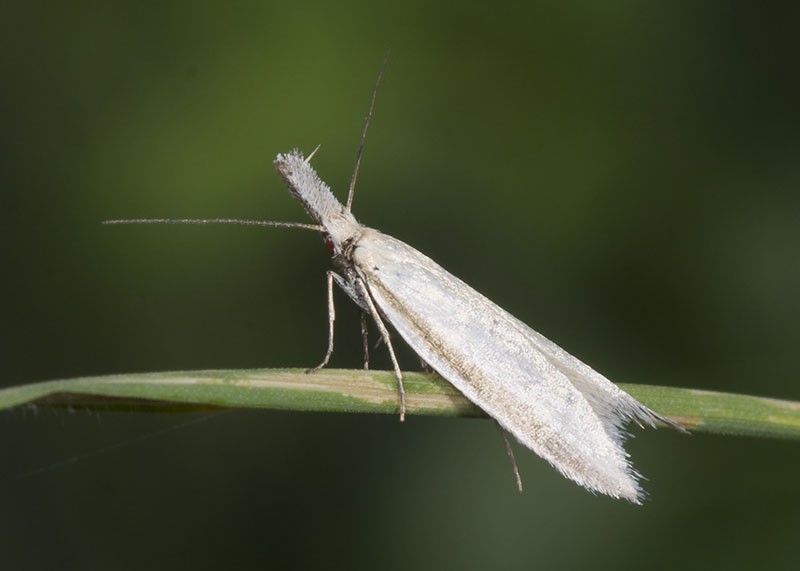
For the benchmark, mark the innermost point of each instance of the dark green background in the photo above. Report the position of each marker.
(623, 178)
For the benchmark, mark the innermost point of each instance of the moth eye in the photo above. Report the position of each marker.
(329, 246)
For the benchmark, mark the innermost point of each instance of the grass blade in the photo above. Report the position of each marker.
(337, 390)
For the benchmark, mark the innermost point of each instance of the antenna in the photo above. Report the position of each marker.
(240, 222)
(364, 133)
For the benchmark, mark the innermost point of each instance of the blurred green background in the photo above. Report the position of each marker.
(623, 178)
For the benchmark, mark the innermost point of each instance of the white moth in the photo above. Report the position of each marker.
(566, 412)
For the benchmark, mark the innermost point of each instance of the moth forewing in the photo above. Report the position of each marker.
(498, 362)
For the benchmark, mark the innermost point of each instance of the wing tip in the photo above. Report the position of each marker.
(640, 414)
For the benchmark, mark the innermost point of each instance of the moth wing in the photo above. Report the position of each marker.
(551, 402)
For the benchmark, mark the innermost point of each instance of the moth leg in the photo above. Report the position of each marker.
(364, 334)
(357, 298)
(362, 290)
(351, 292)
(510, 453)
(331, 319)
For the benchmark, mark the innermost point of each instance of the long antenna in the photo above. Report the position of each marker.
(364, 133)
(240, 222)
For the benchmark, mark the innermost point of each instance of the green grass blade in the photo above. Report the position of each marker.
(336, 390)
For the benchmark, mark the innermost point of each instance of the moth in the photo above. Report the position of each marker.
(550, 401)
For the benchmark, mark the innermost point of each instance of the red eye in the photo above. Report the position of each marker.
(329, 246)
